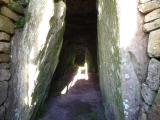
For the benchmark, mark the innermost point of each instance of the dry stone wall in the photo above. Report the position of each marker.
(8, 17)
(150, 90)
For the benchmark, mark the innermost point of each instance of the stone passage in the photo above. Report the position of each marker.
(83, 101)
(9, 17)
(150, 91)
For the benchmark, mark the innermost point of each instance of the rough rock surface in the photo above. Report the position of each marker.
(4, 58)
(40, 46)
(147, 94)
(9, 13)
(4, 47)
(152, 15)
(154, 113)
(154, 44)
(151, 26)
(5, 75)
(4, 36)
(3, 91)
(149, 6)
(6, 25)
(2, 112)
(153, 79)
(145, 107)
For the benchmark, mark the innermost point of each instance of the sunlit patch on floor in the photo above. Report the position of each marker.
(82, 74)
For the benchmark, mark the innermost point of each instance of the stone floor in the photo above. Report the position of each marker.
(83, 101)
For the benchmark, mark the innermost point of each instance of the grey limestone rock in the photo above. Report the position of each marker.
(2, 112)
(152, 15)
(153, 79)
(3, 91)
(148, 94)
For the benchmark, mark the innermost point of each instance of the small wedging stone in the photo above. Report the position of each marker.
(147, 27)
(152, 15)
(154, 44)
(9, 13)
(153, 78)
(148, 94)
(4, 47)
(16, 7)
(154, 112)
(2, 112)
(149, 6)
(4, 75)
(6, 25)
(4, 58)
(3, 91)
(4, 36)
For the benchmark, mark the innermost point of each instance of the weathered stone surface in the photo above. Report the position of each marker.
(4, 75)
(16, 7)
(154, 113)
(3, 91)
(35, 58)
(147, 94)
(4, 66)
(4, 1)
(144, 1)
(151, 26)
(4, 36)
(2, 112)
(154, 44)
(153, 79)
(4, 47)
(145, 107)
(6, 25)
(4, 58)
(9, 13)
(149, 6)
(152, 15)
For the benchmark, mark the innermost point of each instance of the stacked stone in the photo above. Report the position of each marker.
(8, 16)
(151, 88)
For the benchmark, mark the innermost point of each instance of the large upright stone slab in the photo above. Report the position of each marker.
(4, 36)
(152, 15)
(153, 79)
(9, 13)
(5, 47)
(3, 91)
(34, 58)
(151, 26)
(6, 25)
(154, 44)
(149, 6)
(148, 94)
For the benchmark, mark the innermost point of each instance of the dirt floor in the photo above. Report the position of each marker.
(83, 100)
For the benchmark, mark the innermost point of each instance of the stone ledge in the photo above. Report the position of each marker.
(4, 37)
(149, 6)
(154, 44)
(5, 47)
(9, 13)
(152, 15)
(148, 27)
